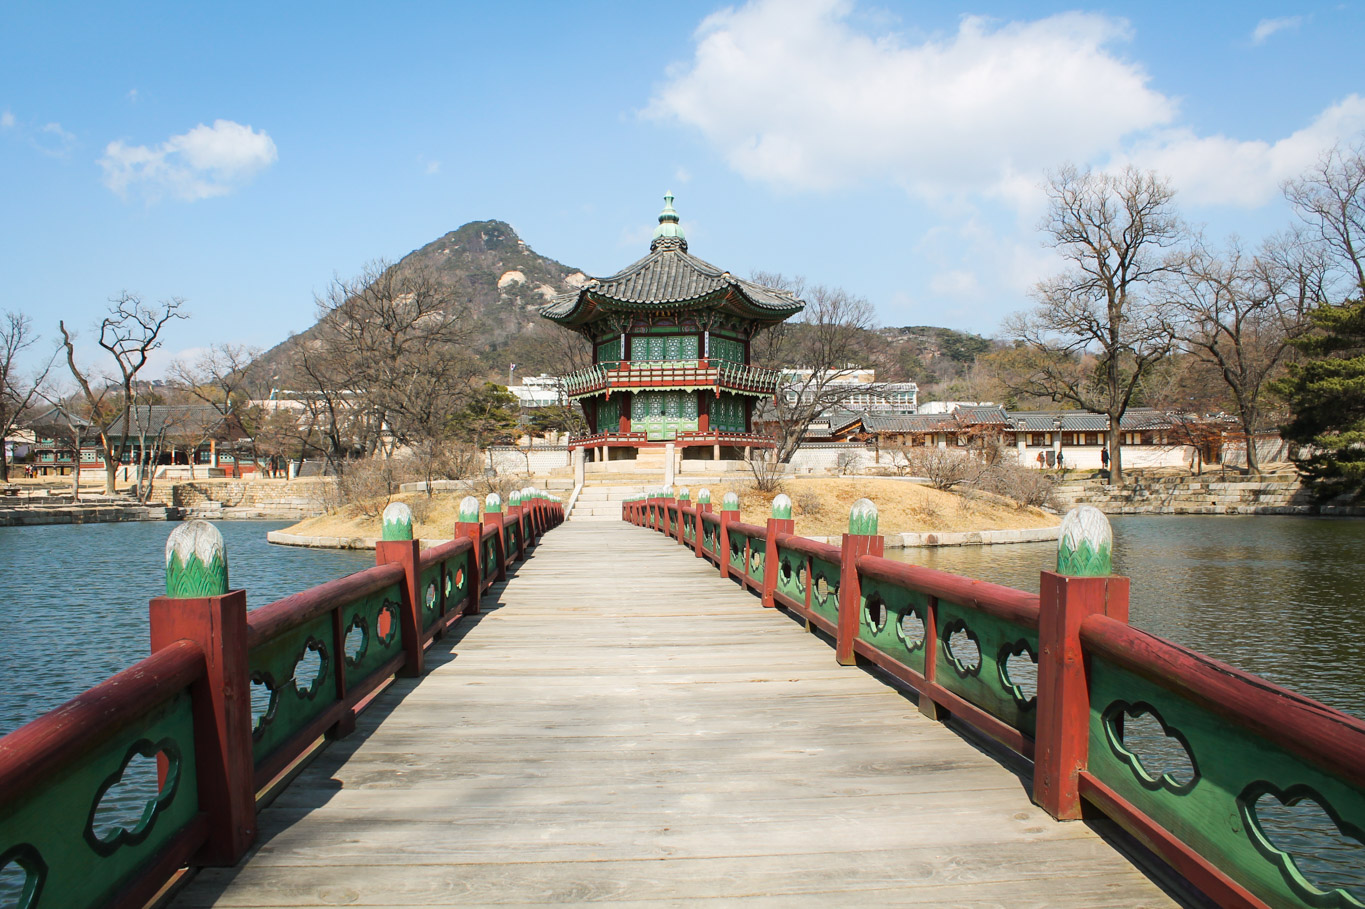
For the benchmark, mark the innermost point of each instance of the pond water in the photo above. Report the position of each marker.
(73, 599)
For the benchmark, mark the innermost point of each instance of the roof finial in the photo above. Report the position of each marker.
(668, 233)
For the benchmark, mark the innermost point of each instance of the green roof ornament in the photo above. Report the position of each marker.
(397, 522)
(1086, 546)
(469, 510)
(196, 561)
(862, 518)
(668, 222)
(703, 496)
(782, 507)
(730, 502)
(492, 504)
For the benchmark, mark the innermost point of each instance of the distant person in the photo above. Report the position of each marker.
(1104, 457)
(1041, 460)
(1060, 465)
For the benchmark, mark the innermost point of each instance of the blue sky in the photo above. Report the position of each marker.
(241, 155)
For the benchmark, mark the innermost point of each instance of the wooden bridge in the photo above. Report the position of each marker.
(620, 722)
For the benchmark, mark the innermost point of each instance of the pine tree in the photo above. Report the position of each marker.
(1326, 395)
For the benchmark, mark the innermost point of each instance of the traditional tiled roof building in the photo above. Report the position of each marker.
(671, 339)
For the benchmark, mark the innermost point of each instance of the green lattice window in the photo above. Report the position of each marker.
(609, 415)
(664, 414)
(610, 352)
(664, 347)
(725, 349)
(727, 414)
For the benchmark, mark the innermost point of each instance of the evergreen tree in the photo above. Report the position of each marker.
(1326, 394)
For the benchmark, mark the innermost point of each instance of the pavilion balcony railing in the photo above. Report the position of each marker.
(663, 375)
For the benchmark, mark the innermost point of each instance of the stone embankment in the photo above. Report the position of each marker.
(1276, 494)
(219, 499)
(102, 512)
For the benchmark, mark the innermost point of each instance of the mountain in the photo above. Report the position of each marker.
(491, 270)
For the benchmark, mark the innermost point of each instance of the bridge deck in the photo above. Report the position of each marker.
(598, 736)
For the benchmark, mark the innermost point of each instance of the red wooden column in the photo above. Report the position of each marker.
(198, 607)
(1082, 586)
(398, 546)
(862, 539)
(780, 522)
(729, 513)
(469, 528)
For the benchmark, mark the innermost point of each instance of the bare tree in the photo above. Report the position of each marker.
(219, 377)
(1240, 314)
(17, 391)
(1101, 326)
(130, 332)
(1331, 201)
(818, 352)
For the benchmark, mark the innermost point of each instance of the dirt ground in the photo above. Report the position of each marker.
(819, 505)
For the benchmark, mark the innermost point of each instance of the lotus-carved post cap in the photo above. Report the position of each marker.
(703, 496)
(514, 499)
(862, 518)
(730, 502)
(666, 492)
(469, 510)
(397, 522)
(684, 495)
(196, 561)
(492, 503)
(782, 507)
(1085, 548)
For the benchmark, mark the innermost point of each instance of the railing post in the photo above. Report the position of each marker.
(683, 501)
(729, 513)
(780, 522)
(514, 515)
(1081, 586)
(469, 528)
(862, 539)
(492, 517)
(703, 507)
(199, 607)
(398, 546)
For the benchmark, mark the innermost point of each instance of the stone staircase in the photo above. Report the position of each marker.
(1190, 495)
(602, 503)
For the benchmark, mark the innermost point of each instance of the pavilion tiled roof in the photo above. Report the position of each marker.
(912, 422)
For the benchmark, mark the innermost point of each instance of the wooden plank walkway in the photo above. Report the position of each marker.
(597, 736)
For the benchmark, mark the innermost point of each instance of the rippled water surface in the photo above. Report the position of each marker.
(73, 599)
(1283, 597)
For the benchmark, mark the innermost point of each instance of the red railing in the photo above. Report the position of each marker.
(670, 375)
(1247, 741)
(189, 706)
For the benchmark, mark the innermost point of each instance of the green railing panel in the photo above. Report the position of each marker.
(490, 557)
(893, 621)
(758, 552)
(297, 671)
(710, 541)
(370, 634)
(456, 578)
(1264, 816)
(86, 831)
(984, 678)
(736, 556)
(791, 574)
(824, 592)
(429, 595)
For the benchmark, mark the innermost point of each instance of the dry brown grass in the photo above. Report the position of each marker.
(901, 507)
(433, 518)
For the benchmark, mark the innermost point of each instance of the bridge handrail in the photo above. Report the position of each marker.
(189, 706)
(1251, 739)
(76, 754)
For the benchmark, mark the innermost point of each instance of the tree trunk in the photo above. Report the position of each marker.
(4, 463)
(1115, 453)
(110, 465)
(1253, 459)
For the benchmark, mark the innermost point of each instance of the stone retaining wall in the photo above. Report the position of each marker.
(1192, 495)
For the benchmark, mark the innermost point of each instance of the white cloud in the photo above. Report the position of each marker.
(205, 162)
(1219, 170)
(52, 140)
(793, 94)
(1267, 27)
(961, 285)
(6, 120)
(433, 168)
(132, 96)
